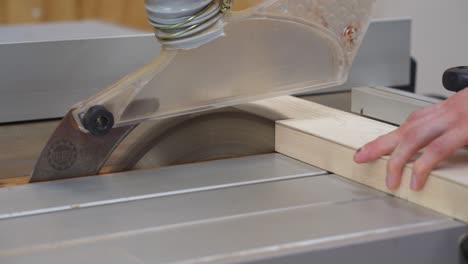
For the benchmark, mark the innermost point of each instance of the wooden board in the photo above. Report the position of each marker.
(13, 181)
(243, 4)
(135, 15)
(329, 139)
(24, 142)
(126, 12)
(111, 10)
(23, 11)
(60, 10)
(87, 9)
(3, 13)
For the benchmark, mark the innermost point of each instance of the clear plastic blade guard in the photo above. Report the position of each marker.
(275, 48)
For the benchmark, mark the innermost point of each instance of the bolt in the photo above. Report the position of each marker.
(226, 5)
(98, 121)
(350, 34)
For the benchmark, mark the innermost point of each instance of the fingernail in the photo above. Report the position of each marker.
(356, 155)
(392, 182)
(389, 182)
(414, 183)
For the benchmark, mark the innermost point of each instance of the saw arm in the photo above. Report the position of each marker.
(211, 57)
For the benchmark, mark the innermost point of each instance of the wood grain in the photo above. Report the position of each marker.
(330, 138)
(87, 9)
(125, 12)
(243, 4)
(23, 11)
(21, 145)
(3, 12)
(135, 15)
(13, 181)
(112, 10)
(60, 10)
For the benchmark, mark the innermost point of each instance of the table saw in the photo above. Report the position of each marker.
(196, 188)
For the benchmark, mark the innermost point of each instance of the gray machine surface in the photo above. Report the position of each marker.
(384, 58)
(387, 104)
(64, 63)
(60, 31)
(259, 209)
(47, 68)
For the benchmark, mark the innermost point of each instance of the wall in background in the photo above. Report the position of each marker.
(439, 37)
(126, 12)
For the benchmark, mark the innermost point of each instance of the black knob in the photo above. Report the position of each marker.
(464, 247)
(98, 121)
(456, 79)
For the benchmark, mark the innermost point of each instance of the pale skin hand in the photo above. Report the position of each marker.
(439, 129)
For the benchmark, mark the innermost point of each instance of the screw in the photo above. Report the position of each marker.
(350, 34)
(226, 5)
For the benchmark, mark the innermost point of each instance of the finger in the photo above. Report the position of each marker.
(437, 151)
(381, 146)
(412, 141)
(385, 145)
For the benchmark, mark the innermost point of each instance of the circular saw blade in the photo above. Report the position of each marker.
(220, 134)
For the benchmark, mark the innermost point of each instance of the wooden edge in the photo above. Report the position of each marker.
(440, 195)
(14, 181)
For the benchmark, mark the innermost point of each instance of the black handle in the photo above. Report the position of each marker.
(456, 79)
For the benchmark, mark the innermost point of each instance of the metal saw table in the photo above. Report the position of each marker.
(259, 209)
(255, 209)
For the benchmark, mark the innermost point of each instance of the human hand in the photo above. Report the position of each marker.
(440, 129)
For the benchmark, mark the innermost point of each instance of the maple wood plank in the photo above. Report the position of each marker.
(330, 138)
